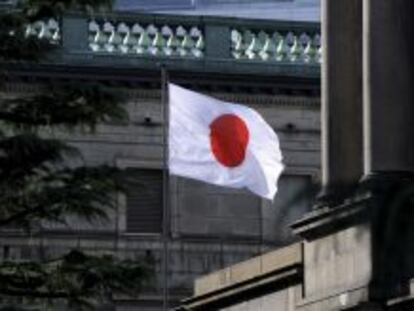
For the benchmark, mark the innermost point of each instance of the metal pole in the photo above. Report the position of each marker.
(166, 188)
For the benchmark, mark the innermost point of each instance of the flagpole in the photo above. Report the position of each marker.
(166, 188)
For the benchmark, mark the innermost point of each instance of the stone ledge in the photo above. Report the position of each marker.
(249, 270)
(278, 269)
(328, 219)
(226, 297)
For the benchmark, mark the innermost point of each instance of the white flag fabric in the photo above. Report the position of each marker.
(222, 143)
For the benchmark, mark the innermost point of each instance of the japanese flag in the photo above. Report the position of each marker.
(222, 143)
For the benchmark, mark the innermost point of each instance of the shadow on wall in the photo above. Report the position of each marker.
(392, 240)
(295, 198)
(236, 214)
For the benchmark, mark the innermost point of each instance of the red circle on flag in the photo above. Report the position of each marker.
(229, 137)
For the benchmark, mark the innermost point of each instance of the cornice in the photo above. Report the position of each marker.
(154, 94)
(144, 78)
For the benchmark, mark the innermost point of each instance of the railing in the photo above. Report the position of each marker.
(275, 46)
(48, 29)
(146, 39)
(203, 42)
(271, 44)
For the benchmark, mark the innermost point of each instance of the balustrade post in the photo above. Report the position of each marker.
(74, 33)
(217, 40)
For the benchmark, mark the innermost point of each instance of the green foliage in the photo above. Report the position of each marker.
(41, 8)
(52, 196)
(75, 278)
(25, 154)
(67, 105)
(37, 184)
(15, 45)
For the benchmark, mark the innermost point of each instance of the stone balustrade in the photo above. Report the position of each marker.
(45, 29)
(136, 38)
(163, 40)
(264, 41)
(299, 47)
(146, 39)
(184, 43)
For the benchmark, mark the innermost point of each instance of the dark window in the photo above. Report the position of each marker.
(144, 200)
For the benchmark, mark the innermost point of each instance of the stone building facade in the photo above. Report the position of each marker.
(209, 227)
(356, 251)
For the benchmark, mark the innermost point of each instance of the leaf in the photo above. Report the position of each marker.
(84, 280)
(37, 186)
(41, 8)
(85, 192)
(15, 45)
(20, 155)
(64, 105)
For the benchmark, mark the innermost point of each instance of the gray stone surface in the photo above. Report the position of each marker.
(283, 300)
(388, 86)
(341, 97)
(270, 265)
(337, 263)
(200, 209)
(212, 227)
(348, 300)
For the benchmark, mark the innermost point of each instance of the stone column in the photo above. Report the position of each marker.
(342, 165)
(388, 86)
(388, 141)
(364, 247)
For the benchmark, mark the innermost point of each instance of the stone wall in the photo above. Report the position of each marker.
(211, 227)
